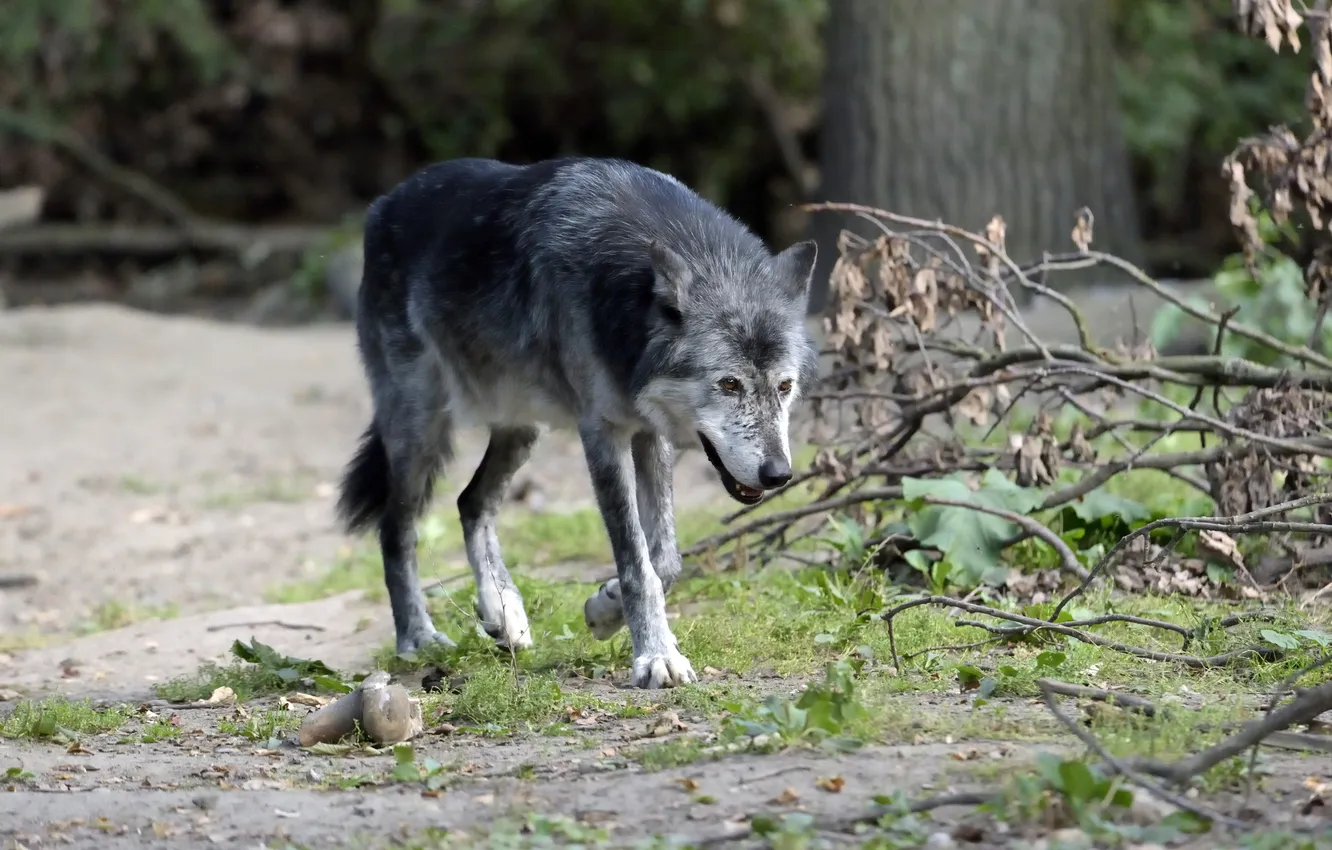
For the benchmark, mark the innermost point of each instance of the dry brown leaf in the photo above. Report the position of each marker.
(666, 723)
(1222, 547)
(1082, 230)
(975, 406)
(788, 797)
(831, 784)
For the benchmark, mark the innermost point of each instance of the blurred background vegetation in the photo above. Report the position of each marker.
(297, 112)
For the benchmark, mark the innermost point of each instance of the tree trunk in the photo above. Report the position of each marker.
(964, 109)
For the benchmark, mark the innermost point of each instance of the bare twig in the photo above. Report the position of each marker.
(1129, 773)
(1072, 630)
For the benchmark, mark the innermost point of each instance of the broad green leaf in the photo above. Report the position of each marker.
(1099, 504)
(1280, 639)
(1078, 782)
(969, 540)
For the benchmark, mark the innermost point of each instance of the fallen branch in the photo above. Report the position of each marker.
(279, 624)
(1132, 775)
(1147, 708)
(1031, 625)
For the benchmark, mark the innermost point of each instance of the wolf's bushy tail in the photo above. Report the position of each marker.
(365, 484)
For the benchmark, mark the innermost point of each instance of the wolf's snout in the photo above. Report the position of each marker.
(774, 472)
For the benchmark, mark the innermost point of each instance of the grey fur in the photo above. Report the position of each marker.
(589, 294)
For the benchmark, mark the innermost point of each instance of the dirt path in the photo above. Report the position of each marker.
(178, 467)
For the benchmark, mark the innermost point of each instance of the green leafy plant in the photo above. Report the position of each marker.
(1070, 792)
(430, 772)
(285, 669)
(1271, 297)
(1010, 678)
(821, 716)
(1297, 639)
(266, 728)
(971, 542)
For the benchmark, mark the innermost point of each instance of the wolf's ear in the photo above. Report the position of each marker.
(672, 277)
(795, 268)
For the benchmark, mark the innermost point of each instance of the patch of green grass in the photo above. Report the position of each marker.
(791, 623)
(528, 539)
(59, 718)
(343, 781)
(357, 567)
(138, 486)
(259, 669)
(265, 727)
(115, 614)
(158, 731)
(272, 489)
(494, 699)
(676, 752)
(29, 638)
(247, 680)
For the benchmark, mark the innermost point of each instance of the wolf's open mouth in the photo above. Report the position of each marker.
(742, 494)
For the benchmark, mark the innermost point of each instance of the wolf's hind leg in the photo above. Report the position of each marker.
(417, 441)
(499, 604)
(654, 469)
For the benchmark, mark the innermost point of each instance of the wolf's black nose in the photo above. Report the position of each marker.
(774, 472)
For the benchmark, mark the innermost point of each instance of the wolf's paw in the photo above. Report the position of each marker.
(602, 611)
(420, 639)
(663, 670)
(508, 627)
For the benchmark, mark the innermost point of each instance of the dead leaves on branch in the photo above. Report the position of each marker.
(1273, 20)
(1295, 174)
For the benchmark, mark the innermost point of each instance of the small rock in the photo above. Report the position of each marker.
(940, 841)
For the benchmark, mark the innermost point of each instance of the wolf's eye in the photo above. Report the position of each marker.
(785, 387)
(729, 385)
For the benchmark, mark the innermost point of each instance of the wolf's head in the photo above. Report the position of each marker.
(729, 356)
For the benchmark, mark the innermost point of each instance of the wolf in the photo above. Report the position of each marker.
(588, 294)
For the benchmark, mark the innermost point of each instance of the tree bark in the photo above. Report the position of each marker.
(964, 109)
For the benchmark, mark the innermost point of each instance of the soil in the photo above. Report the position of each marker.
(181, 466)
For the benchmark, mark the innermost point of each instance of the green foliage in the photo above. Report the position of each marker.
(1074, 792)
(284, 668)
(266, 728)
(822, 715)
(429, 772)
(1192, 84)
(666, 83)
(103, 48)
(656, 70)
(970, 541)
(259, 669)
(1271, 298)
(60, 719)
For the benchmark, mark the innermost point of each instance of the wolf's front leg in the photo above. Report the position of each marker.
(654, 468)
(610, 460)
